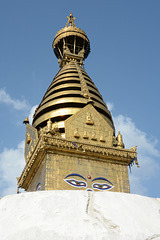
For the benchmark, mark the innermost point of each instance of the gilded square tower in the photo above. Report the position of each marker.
(71, 143)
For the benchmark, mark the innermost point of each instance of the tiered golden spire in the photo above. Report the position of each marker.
(71, 89)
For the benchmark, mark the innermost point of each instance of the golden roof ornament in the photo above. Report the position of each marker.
(26, 120)
(71, 43)
(49, 125)
(71, 21)
(120, 140)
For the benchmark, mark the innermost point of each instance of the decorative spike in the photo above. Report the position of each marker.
(71, 21)
(26, 121)
(120, 140)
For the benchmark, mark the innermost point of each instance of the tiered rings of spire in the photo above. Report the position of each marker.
(71, 89)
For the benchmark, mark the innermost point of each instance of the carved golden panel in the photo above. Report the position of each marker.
(91, 126)
(31, 139)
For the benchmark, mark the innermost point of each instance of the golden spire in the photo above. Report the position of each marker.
(71, 89)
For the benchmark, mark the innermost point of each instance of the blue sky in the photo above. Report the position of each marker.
(124, 64)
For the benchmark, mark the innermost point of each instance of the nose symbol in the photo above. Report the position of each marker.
(89, 189)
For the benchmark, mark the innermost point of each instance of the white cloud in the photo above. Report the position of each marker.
(137, 186)
(110, 106)
(32, 111)
(11, 165)
(134, 136)
(15, 103)
(147, 153)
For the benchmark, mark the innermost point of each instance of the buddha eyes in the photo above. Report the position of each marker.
(101, 186)
(104, 183)
(76, 183)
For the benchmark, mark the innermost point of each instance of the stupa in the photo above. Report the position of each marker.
(71, 143)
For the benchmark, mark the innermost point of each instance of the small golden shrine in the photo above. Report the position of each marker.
(71, 143)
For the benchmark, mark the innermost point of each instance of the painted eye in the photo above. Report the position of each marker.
(76, 183)
(38, 187)
(102, 186)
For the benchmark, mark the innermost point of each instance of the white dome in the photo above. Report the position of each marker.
(79, 215)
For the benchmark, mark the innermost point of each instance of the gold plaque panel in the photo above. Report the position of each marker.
(31, 139)
(87, 125)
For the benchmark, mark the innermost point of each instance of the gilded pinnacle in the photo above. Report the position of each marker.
(71, 21)
(26, 120)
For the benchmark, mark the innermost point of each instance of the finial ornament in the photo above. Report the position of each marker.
(71, 21)
(26, 120)
(49, 125)
(120, 140)
(134, 148)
